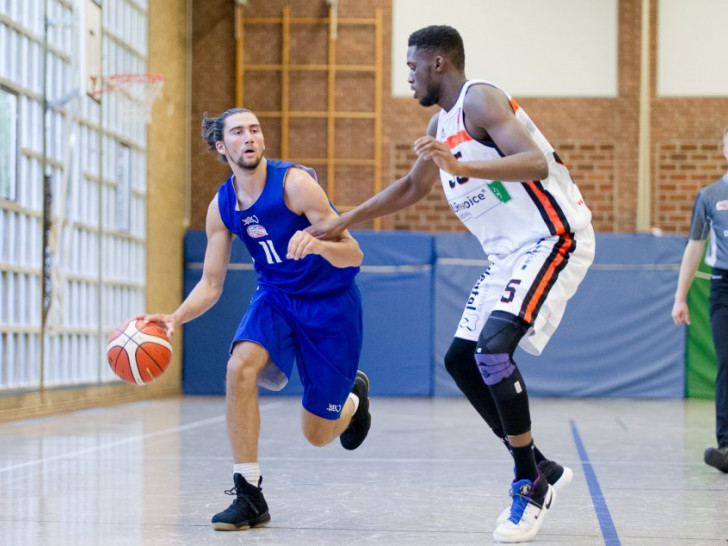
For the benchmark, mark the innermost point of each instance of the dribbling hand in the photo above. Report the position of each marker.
(165, 320)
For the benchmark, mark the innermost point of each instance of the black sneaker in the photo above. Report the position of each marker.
(249, 509)
(558, 476)
(358, 428)
(717, 458)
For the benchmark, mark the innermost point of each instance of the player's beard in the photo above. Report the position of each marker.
(430, 97)
(249, 164)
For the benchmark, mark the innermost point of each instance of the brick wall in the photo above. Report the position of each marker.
(682, 168)
(596, 137)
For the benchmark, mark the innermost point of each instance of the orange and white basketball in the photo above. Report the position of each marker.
(139, 353)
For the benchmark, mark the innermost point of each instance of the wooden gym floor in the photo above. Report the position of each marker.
(429, 473)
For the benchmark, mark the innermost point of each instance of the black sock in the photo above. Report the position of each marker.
(538, 455)
(525, 462)
(536, 452)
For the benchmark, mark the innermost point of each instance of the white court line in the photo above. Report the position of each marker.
(129, 440)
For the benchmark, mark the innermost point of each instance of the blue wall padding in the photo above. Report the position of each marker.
(207, 338)
(396, 286)
(616, 339)
(460, 262)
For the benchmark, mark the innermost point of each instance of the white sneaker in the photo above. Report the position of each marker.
(526, 514)
(548, 470)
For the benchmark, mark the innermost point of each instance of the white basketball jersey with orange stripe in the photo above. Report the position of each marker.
(506, 215)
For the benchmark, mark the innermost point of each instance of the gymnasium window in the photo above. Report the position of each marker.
(8, 144)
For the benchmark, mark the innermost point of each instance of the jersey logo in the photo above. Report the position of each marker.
(721, 205)
(477, 199)
(469, 322)
(256, 231)
(499, 190)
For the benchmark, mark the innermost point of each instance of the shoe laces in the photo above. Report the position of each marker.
(521, 492)
(242, 500)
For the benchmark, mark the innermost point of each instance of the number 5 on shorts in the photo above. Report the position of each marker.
(510, 291)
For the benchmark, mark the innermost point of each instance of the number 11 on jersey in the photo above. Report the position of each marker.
(270, 252)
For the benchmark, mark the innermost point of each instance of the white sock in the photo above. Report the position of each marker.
(354, 398)
(249, 471)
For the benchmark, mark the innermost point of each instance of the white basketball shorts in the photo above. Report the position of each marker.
(533, 283)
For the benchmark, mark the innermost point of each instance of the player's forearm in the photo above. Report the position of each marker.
(685, 279)
(688, 267)
(401, 194)
(514, 168)
(203, 296)
(343, 253)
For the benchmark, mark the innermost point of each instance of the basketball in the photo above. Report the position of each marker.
(139, 353)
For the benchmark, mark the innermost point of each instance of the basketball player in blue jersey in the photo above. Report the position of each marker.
(508, 186)
(307, 306)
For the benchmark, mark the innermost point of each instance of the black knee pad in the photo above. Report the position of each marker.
(496, 344)
(501, 374)
(501, 333)
(509, 393)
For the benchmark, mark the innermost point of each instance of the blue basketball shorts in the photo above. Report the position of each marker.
(323, 335)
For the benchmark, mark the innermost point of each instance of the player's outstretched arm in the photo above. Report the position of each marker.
(402, 193)
(688, 266)
(209, 288)
(304, 196)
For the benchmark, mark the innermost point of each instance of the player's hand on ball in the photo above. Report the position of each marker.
(301, 245)
(165, 320)
(139, 352)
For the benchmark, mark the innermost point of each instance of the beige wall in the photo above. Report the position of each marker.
(167, 172)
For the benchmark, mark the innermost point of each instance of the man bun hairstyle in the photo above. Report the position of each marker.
(440, 39)
(213, 128)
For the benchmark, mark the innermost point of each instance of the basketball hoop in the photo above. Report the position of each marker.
(136, 92)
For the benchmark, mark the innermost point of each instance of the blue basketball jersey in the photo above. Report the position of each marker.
(267, 226)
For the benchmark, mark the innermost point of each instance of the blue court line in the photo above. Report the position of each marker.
(609, 532)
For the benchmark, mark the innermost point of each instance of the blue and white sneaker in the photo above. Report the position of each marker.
(531, 502)
(558, 477)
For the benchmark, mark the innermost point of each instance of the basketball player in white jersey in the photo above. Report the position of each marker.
(510, 189)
